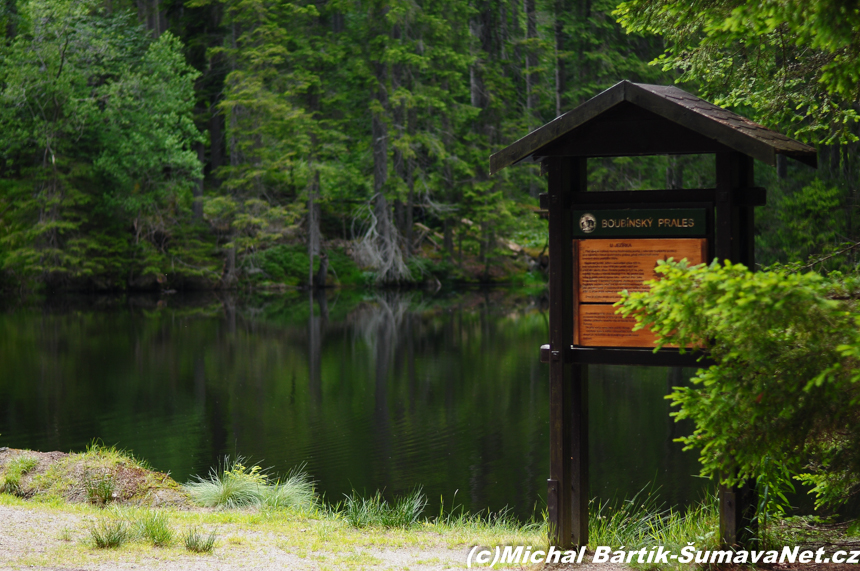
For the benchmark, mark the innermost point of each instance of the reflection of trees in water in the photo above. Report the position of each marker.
(380, 321)
(316, 330)
(385, 324)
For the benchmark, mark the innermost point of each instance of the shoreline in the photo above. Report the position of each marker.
(50, 521)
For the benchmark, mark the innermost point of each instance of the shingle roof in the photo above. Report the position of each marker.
(675, 106)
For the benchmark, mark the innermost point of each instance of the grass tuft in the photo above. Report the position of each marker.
(109, 533)
(17, 467)
(295, 491)
(641, 522)
(97, 450)
(232, 485)
(155, 528)
(198, 542)
(100, 489)
(375, 511)
(235, 485)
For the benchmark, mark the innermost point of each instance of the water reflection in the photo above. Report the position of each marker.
(384, 391)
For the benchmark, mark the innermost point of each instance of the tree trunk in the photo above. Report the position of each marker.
(447, 237)
(460, 247)
(216, 142)
(150, 14)
(532, 113)
(337, 22)
(322, 273)
(11, 19)
(559, 56)
(235, 111)
(230, 276)
(400, 216)
(675, 172)
(313, 224)
(197, 191)
(379, 130)
(410, 205)
(531, 63)
(476, 88)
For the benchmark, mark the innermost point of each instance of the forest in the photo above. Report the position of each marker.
(196, 144)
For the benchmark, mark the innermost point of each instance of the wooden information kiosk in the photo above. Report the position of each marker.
(604, 242)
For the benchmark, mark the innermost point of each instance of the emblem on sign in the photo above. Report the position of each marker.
(587, 223)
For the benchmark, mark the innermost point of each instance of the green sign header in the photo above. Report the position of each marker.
(650, 222)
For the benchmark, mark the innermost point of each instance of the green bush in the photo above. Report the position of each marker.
(785, 386)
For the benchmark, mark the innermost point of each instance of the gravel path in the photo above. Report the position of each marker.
(33, 538)
(47, 540)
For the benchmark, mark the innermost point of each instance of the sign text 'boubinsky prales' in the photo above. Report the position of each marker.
(599, 223)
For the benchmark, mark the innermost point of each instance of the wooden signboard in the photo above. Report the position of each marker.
(604, 267)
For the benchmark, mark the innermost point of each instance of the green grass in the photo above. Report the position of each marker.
(375, 511)
(198, 542)
(153, 527)
(97, 451)
(234, 485)
(100, 489)
(15, 469)
(109, 533)
(294, 491)
(640, 522)
(91, 475)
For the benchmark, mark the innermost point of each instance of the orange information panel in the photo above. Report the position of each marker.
(603, 268)
(599, 326)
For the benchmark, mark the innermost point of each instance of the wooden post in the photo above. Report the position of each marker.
(579, 490)
(579, 468)
(560, 335)
(735, 241)
(567, 493)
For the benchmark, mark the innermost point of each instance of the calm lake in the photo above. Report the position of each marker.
(369, 391)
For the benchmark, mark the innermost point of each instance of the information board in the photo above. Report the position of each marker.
(604, 267)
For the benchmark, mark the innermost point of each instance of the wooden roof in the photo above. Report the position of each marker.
(639, 119)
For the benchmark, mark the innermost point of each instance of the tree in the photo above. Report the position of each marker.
(790, 63)
(785, 387)
(96, 134)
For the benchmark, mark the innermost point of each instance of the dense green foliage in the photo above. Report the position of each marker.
(794, 64)
(202, 143)
(176, 142)
(785, 387)
(96, 159)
